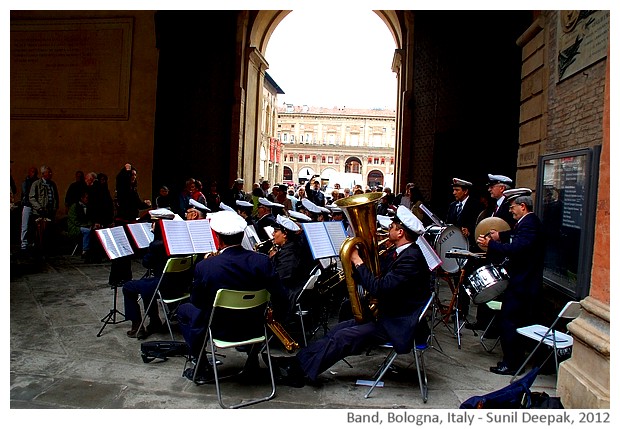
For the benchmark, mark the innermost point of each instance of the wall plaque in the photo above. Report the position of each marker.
(583, 37)
(71, 69)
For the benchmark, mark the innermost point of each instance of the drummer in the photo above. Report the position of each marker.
(523, 248)
(463, 212)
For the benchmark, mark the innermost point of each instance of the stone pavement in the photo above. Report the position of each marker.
(58, 362)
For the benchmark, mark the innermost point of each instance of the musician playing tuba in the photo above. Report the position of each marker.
(232, 268)
(402, 289)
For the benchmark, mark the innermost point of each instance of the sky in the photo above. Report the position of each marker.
(323, 57)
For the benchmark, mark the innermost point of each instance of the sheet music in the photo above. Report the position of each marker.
(269, 231)
(319, 240)
(432, 258)
(337, 234)
(201, 235)
(250, 238)
(177, 237)
(114, 242)
(430, 214)
(141, 234)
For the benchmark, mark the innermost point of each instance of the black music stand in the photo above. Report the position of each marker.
(110, 318)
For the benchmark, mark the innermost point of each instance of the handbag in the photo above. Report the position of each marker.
(151, 350)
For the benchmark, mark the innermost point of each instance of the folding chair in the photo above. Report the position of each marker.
(237, 319)
(314, 275)
(173, 287)
(418, 351)
(496, 306)
(549, 336)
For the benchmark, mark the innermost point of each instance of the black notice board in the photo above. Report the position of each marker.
(566, 204)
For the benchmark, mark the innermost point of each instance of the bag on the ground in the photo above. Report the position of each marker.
(515, 395)
(151, 350)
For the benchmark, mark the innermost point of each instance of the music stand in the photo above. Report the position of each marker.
(110, 318)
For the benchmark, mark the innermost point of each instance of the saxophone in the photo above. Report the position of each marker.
(287, 341)
(361, 211)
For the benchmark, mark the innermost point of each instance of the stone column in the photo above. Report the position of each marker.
(584, 379)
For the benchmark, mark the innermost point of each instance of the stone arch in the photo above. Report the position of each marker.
(263, 23)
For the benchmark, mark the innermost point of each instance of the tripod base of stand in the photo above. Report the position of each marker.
(110, 318)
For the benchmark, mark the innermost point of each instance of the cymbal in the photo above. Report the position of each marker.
(489, 223)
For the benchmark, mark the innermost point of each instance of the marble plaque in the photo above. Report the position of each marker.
(71, 69)
(583, 37)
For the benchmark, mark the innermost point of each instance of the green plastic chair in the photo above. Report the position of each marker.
(176, 279)
(253, 305)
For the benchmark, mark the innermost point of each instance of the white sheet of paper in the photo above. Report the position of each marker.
(141, 233)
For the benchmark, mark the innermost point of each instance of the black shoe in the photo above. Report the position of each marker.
(288, 371)
(474, 326)
(156, 327)
(202, 377)
(502, 369)
(143, 334)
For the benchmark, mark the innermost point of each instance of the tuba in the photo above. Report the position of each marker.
(361, 211)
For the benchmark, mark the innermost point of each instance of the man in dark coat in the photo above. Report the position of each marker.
(232, 268)
(525, 257)
(402, 290)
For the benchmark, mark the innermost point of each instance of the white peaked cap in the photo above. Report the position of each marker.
(409, 220)
(517, 192)
(226, 208)
(198, 205)
(310, 206)
(287, 223)
(299, 216)
(161, 214)
(227, 222)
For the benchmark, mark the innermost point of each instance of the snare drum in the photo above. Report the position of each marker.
(487, 283)
(444, 239)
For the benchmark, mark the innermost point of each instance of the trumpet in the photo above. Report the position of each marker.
(287, 341)
(265, 247)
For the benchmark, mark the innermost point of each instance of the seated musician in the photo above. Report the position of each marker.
(291, 257)
(402, 290)
(233, 267)
(155, 261)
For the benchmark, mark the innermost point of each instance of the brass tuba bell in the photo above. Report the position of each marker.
(361, 211)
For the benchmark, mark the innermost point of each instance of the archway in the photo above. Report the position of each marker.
(375, 178)
(353, 165)
(287, 174)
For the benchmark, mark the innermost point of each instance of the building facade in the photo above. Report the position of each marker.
(327, 142)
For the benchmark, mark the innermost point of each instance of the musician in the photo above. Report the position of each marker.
(402, 290)
(463, 212)
(244, 209)
(265, 218)
(338, 215)
(196, 210)
(497, 186)
(232, 268)
(311, 210)
(291, 257)
(155, 261)
(524, 249)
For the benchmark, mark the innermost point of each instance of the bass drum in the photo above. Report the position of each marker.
(443, 239)
(487, 283)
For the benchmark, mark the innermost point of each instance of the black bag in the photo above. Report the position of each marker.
(152, 350)
(514, 396)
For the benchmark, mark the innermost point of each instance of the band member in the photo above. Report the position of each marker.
(265, 218)
(311, 210)
(291, 257)
(402, 289)
(497, 186)
(524, 249)
(463, 211)
(232, 268)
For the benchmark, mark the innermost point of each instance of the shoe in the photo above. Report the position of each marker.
(502, 369)
(202, 377)
(289, 372)
(474, 326)
(143, 334)
(156, 327)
